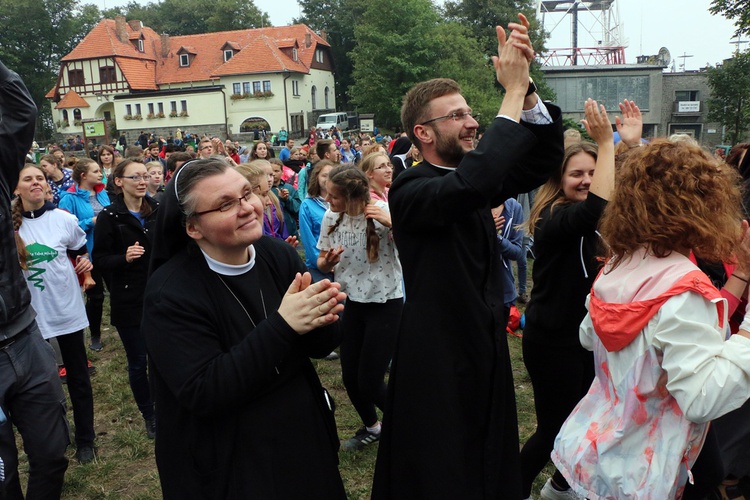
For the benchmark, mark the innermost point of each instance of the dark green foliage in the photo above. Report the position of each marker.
(729, 103)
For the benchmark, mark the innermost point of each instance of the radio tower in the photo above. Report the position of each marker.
(595, 23)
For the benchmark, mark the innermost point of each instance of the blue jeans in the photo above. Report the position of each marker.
(135, 350)
(31, 395)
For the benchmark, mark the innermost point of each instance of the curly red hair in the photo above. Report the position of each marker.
(673, 196)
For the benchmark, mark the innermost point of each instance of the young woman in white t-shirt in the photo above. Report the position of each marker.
(45, 238)
(356, 244)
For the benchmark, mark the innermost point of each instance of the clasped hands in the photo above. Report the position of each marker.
(307, 305)
(515, 54)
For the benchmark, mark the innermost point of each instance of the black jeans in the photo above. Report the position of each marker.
(32, 397)
(95, 303)
(368, 338)
(560, 376)
(135, 349)
(73, 353)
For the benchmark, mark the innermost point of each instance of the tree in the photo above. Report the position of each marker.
(34, 36)
(730, 96)
(337, 18)
(391, 54)
(734, 10)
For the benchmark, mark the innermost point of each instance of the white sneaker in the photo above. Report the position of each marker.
(550, 493)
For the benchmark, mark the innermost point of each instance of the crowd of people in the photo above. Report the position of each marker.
(228, 269)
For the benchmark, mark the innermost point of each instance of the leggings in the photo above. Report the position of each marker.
(369, 335)
(74, 357)
(95, 304)
(135, 350)
(560, 376)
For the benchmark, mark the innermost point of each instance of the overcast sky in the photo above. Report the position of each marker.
(685, 27)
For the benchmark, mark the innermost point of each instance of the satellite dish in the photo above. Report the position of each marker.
(664, 56)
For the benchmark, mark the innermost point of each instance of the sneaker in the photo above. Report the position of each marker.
(63, 374)
(550, 493)
(85, 454)
(523, 298)
(92, 368)
(362, 438)
(332, 356)
(151, 427)
(96, 344)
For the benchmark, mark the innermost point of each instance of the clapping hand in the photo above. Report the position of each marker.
(597, 123)
(630, 126)
(134, 252)
(307, 306)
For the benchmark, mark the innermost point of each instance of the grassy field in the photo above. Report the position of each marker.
(125, 467)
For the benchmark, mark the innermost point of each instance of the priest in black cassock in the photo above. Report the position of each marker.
(450, 429)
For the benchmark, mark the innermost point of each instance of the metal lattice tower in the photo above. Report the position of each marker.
(599, 23)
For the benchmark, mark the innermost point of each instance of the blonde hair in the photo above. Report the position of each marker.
(255, 174)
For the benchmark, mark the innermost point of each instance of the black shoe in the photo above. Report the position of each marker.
(151, 427)
(362, 438)
(85, 454)
(96, 344)
(523, 298)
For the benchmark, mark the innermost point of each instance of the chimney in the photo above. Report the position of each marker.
(121, 29)
(308, 40)
(324, 35)
(135, 25)
(164, 45)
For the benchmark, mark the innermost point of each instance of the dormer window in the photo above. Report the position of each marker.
(294, 54)
(319, 55)
(184, 60)
(140, 45)
(228, 54)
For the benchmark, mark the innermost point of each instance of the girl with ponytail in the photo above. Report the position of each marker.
(356, 244)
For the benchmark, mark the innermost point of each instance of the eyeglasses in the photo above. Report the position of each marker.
(207, 147)
(137, 178)
(227, 205)
(453, 116)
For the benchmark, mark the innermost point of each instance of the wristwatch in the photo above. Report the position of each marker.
(532, 87)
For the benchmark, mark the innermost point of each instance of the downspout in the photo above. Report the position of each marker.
(286, 105)
(226, 117)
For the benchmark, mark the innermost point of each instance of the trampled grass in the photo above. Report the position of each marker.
(125, 467)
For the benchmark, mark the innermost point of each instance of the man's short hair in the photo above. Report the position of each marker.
(178, 156)
(322, 147)
(416, 103)
(133, 151)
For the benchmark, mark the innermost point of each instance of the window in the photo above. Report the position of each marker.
(246, 87)
(686, 95)
(75, 77)
(326, 92)
(173, 106)
(313, 93)
(294, 53)
(161, 108)
(319, 55)
(151, 108)
(137, 109)
(236, 88)
(107, 74)
(183, 105)
(65, 115)
(256, 87)
(266, 85)
(140, 45)
(295, 88)
(129, 110)
(572, 92)
(228, 55)
(77, 114)
(184, 60)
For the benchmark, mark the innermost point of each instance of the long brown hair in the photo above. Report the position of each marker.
(673, 196)
(16, 212)
(117, 172)
(551, 194)
(354, 186)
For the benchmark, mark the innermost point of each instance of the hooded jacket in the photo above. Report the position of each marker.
(657, 327)
(76, 201)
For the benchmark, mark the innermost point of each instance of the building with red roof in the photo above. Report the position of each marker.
(227, 83)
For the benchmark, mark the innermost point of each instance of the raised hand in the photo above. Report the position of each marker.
(630, 126)
(514, 56)
(308, 306)
(597, 123)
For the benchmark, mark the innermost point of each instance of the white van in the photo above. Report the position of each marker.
(328, 120)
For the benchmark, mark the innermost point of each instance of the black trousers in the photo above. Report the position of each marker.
(369, 335)
(73, 353)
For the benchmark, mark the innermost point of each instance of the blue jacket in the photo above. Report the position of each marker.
(76, 201)
(310, 216)
(510, 240)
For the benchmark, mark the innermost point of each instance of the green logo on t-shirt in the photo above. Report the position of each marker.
(39, 253)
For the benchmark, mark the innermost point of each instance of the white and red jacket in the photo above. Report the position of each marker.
(664, 369)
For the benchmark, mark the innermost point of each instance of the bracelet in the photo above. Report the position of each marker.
(741, 279)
